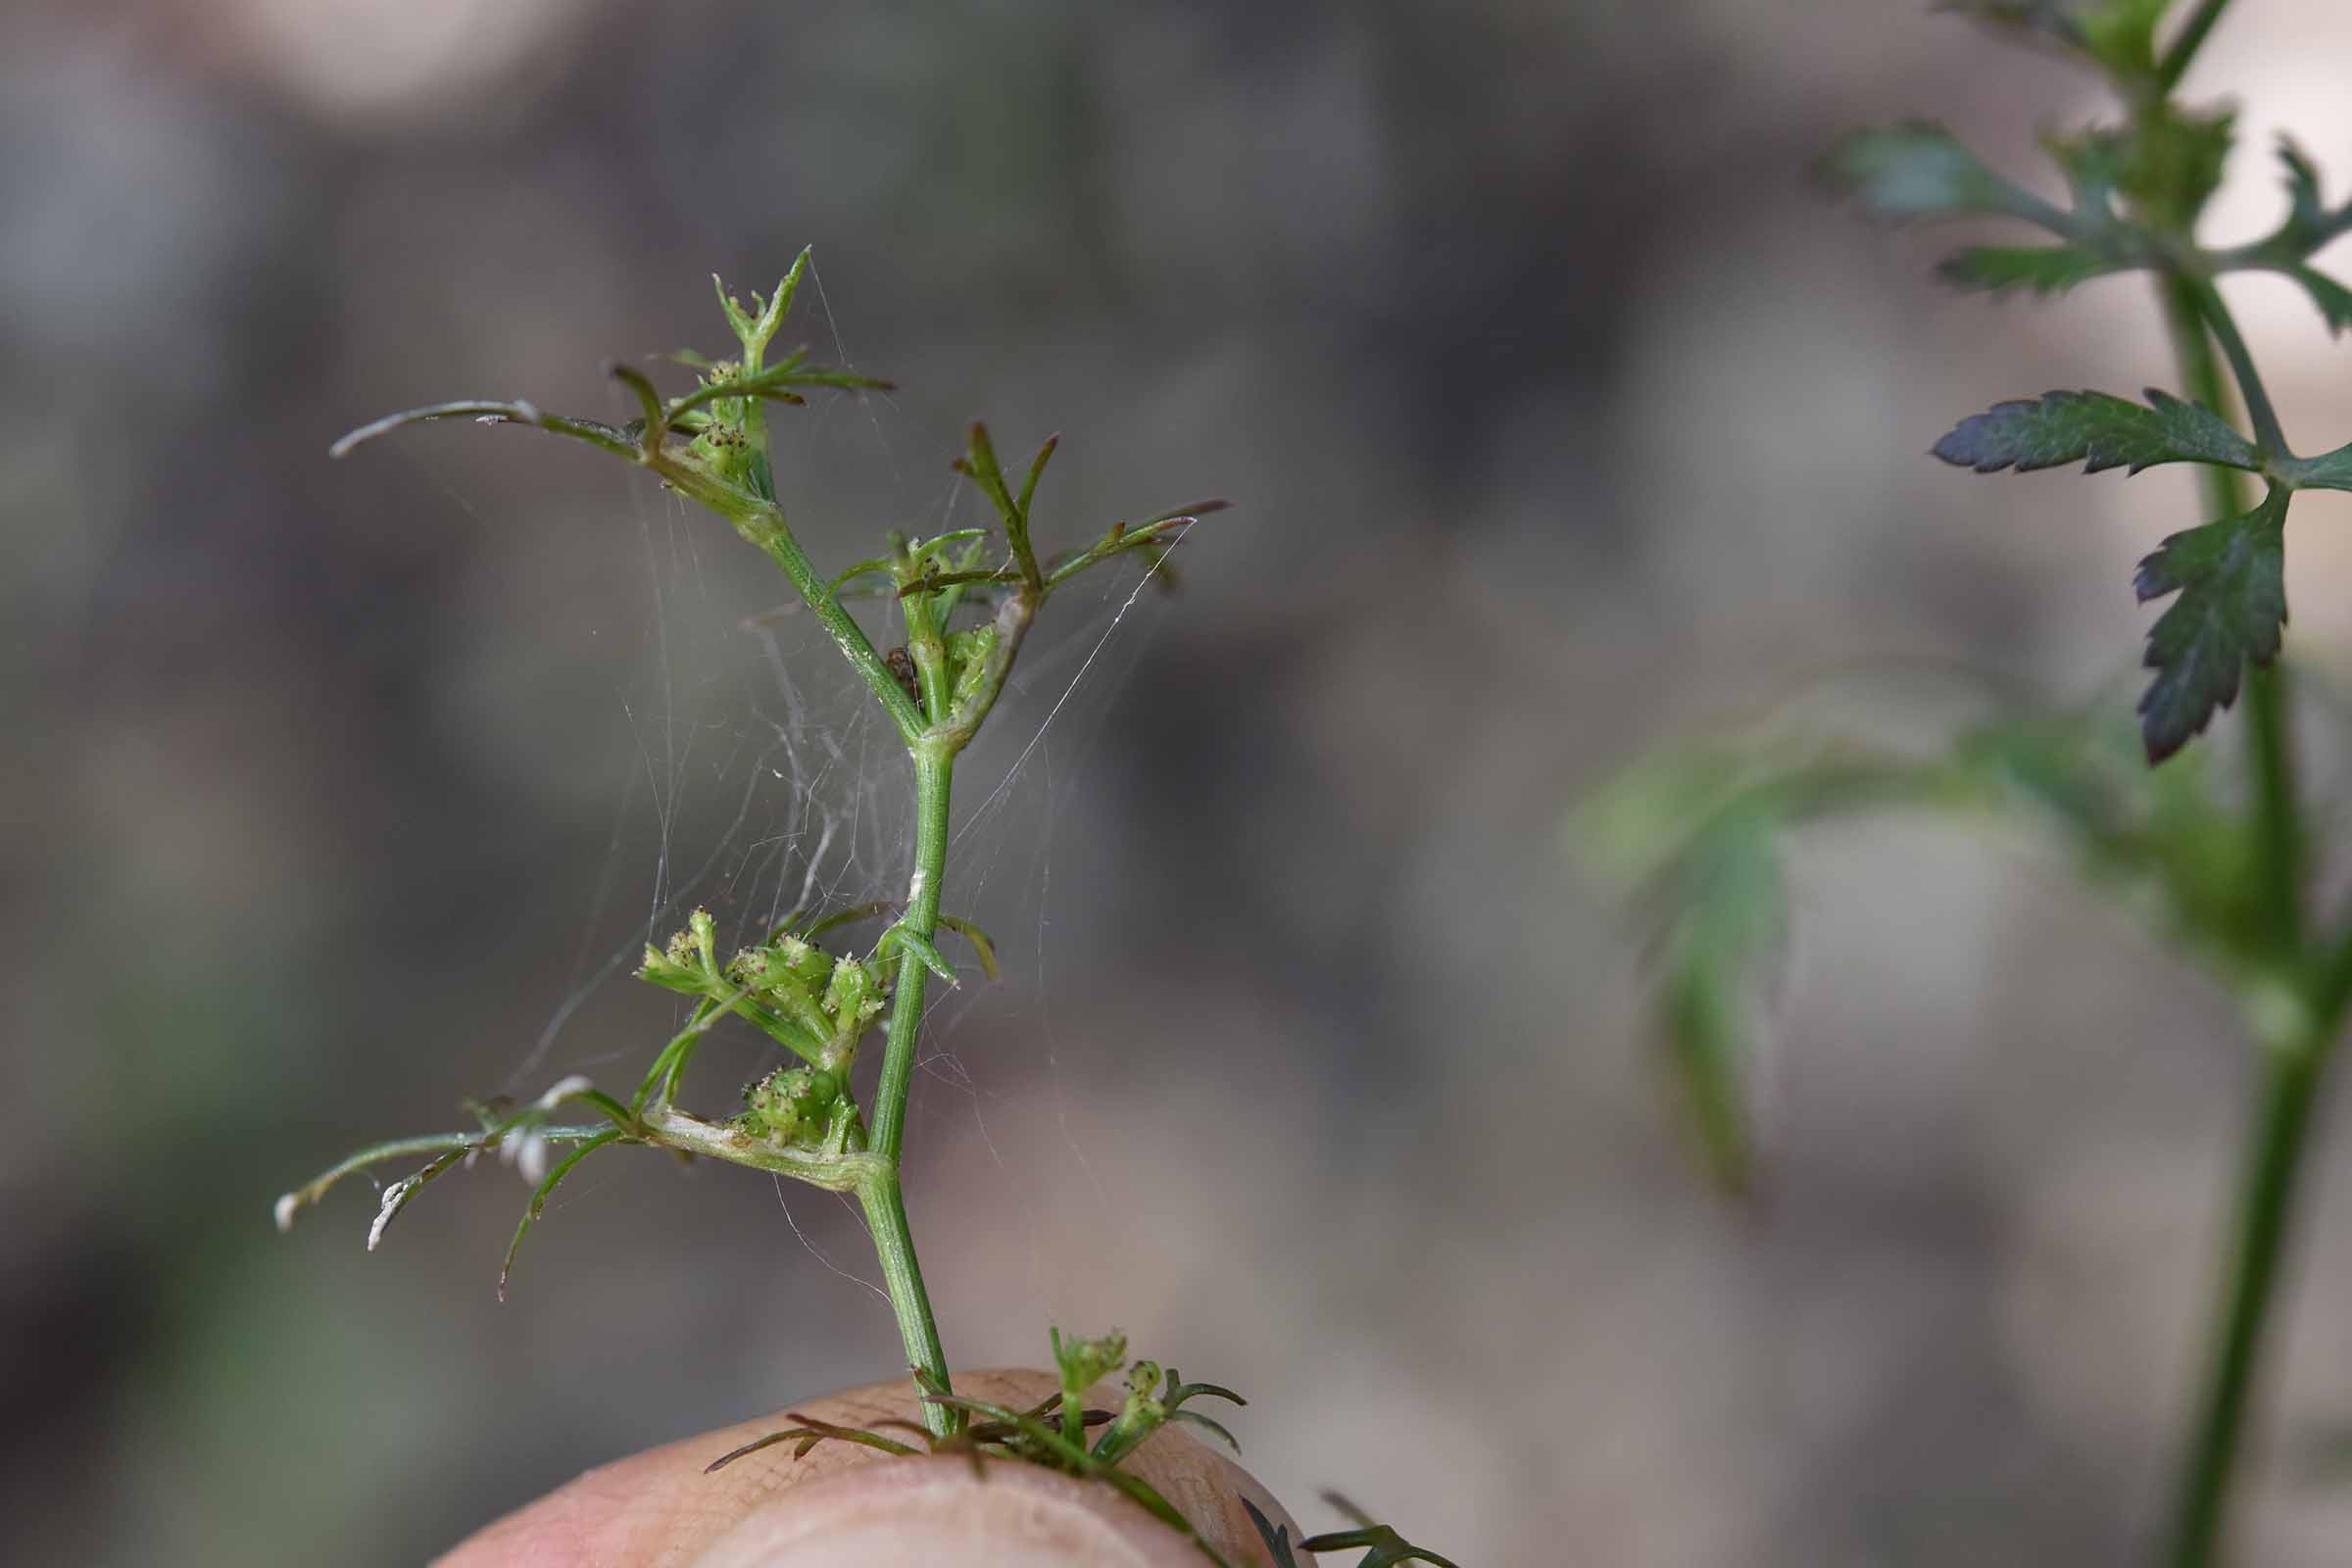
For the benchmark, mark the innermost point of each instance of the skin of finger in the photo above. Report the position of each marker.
(927, 1511)
(658, 1509)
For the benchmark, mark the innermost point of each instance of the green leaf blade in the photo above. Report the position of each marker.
(2097, 429)
(614, 439)
(2334, 301)
(2329, 470)
(539, 1197)
(2307, 210)
(1277, 1537)
(2042, 269)
(1720, 959)
(2231, 579)
(2173, 162)
(1921, 169)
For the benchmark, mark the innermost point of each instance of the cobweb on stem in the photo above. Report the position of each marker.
(764, 782)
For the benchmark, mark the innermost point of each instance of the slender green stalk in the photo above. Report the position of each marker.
(2291, 1072)
(2186, 42)
(2278, 818)
(934, 776)
(885, 1206)
(764, 526)
(2206, 301)
(880, 1190)
(2266, 1205)
(2188, 307)
(2331, 977)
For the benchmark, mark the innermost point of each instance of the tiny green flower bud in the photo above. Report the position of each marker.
(662, 970)
(967, 659)
(1085, 1362)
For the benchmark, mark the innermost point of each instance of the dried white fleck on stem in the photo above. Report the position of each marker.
(394, 1197)
(287, 1205)
(563, 1088)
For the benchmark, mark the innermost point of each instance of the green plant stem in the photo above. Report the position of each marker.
(761, 521)
(2331, 979)
(2265, 1203)
(934, 778)
(850, 637)
(2291, 1069)
(2186, 44)
(2278, 818)
(2206, 299)
(2278, 815)
(885, 1205)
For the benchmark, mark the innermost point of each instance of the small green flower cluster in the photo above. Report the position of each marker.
(789, 1106)
(817, 1003)
(967, 662)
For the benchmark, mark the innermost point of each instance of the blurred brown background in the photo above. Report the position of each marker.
(1563, 419)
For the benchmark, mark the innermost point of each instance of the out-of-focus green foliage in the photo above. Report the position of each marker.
(2228, 876)
(1383, 1546)
(2136, 191)
(1699, 838)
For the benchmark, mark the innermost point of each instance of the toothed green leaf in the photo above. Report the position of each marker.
(2119, 34)
(2307, 212)
(2174, 162)
(2093, 161)
(2096, 429)
(2331, 471)
(2042, 269)
(1917, 170)
(2231, 577)
(2333, 298)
